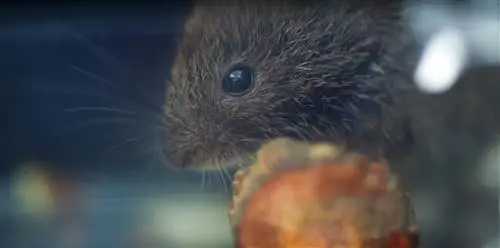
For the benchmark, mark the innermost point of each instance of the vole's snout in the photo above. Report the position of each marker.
(191, 145)
(182, 146)
(196, 143)
(179, 159)
(176, 159)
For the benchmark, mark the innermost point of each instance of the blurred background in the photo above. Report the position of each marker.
(78, 161)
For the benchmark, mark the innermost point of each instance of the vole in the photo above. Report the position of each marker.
(341, 71)
(249, 71)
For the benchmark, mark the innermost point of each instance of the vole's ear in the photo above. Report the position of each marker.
(194, 17)
(193, 29)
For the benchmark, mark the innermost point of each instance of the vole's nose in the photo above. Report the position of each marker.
(179, 160)
(186, 160)
(180, 143)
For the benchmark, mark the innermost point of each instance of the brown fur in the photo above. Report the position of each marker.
(315, 80)
(325, 70)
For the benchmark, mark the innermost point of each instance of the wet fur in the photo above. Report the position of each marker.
(324, 71)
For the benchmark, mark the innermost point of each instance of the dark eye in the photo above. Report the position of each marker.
(238, 80)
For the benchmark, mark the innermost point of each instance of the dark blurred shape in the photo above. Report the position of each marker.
(460, 126)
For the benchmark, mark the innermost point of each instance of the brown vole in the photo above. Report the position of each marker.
(247, 71)
(336, 70)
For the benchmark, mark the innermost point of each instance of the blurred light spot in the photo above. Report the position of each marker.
(490, 168)
(442, 61)
(493, 243)
(32, 192)
(191, 222)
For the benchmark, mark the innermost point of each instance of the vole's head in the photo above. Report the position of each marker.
(247, 71)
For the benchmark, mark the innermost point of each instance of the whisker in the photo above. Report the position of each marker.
(130, 108)
(210, 175)
(100, 51)
(227, 174)
(94, 76)
(222, 177)
(104, 109)
(72, 91)
(152, 117)
(153, 149)
(249, 140)
(101, 121)
(203, 178)
(64, 90)
(123, 143)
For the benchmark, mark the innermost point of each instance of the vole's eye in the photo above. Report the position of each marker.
(238, 80)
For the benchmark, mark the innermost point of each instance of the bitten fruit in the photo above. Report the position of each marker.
(306, 195)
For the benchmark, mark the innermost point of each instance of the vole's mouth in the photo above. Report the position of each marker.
(235, 162)
(203, 159)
